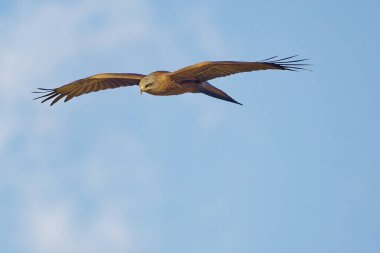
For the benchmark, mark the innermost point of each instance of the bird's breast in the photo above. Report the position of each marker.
(166, 86)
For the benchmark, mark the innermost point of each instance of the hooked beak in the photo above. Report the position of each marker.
(141, 91)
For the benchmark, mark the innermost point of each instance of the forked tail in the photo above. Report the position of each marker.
(212, 91)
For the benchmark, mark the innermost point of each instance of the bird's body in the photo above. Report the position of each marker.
(165, 85)
(191, 79)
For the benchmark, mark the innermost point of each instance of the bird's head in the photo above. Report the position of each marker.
(147, 83)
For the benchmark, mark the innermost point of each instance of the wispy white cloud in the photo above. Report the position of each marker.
(86, 205)
(43, 40)
(46, 226)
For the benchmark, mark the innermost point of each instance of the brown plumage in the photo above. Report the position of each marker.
(191, 79)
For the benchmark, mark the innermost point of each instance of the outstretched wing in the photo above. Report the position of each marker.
(89, 84)
(205, 71)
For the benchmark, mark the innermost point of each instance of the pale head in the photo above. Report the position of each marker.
(148, 82)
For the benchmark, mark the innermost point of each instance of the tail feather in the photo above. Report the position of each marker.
(212, 91)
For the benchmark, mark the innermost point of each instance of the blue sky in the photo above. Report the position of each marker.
(296, 169)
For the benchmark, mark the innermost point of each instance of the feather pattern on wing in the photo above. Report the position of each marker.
(90, 84)
(205, 71)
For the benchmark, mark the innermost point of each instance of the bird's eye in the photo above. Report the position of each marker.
(148, 84)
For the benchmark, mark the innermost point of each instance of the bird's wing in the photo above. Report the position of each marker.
(205, 71)
(89, 84)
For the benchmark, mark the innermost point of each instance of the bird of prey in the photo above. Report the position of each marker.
(193, 79)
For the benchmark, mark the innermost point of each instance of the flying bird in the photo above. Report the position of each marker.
(191, 79)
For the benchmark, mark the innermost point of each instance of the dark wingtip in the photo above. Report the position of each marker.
(270, 58)
(290, 63)
(48, 94)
